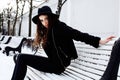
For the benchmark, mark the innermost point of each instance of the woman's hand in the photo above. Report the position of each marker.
(106, 40)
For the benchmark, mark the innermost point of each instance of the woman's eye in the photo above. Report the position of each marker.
(41, 20)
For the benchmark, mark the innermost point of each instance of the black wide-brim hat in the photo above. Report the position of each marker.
(43, 10)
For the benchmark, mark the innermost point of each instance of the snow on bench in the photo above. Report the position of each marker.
(14, 45)
(90, 64)
(6, 40)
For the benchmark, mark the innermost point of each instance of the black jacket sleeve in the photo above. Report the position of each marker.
(83, 37)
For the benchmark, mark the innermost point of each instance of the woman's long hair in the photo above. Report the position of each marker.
(42, 32)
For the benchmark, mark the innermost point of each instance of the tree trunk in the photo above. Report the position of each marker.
(59, 7)
(8, 24)
(1, 22)
(19, 33)
(13, 33)
(30, 17)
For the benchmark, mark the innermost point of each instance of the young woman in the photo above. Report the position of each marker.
(56, 39)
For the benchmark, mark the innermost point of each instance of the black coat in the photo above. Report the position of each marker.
(60, 47)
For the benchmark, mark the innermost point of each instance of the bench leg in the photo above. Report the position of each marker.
(7, 50)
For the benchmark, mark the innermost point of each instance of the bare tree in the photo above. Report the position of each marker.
(8, 18)
(1, 21)
(30, 17)
(6, 14)
(12, 16)
(59, 7)
(13, 32)
(19, 33)
(3, 18)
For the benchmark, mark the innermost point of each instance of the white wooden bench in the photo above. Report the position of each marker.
(14, 45)
(90, 65)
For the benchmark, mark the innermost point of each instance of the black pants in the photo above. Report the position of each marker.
(113, 65)
(37, 62)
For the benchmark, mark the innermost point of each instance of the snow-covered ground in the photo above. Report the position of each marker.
(7, 63)
(6, 67)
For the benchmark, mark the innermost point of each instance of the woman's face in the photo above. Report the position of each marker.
(44, 20)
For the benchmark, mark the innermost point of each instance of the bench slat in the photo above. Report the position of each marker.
(95, 56)
(72, 75)
(78, 72)
(94, 72)
(86, 74)
(96, 51)
(77, 76)
(90, 65)
(38, 74)
(93, 61)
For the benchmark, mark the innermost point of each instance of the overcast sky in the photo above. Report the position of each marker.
(4, 3)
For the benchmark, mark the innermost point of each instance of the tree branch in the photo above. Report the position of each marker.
(64, 2)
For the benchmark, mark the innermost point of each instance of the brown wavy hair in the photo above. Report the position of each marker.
(42, 32)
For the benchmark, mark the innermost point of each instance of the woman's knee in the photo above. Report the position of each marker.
(117, 44)
(21, 57)
(117, 41)
(25, 58)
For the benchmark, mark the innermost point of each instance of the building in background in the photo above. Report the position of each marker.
(97, 17)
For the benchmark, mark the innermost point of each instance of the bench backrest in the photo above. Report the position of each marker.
(15, 41)
(6, 40)
(92, 61)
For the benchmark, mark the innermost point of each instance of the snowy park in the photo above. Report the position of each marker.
(96, 17)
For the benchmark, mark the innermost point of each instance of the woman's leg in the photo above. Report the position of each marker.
(19, 70)
(37, 62)
(113, 65)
